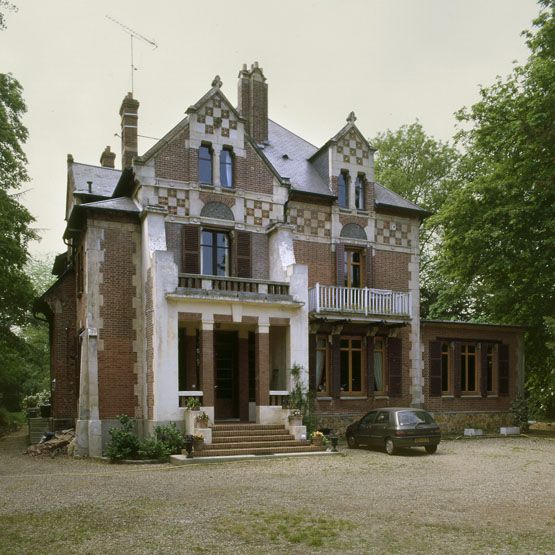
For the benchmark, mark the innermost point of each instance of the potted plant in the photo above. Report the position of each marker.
(198, 442)
(201, 420)
(317, 438)
(193, 403)
(295, 417)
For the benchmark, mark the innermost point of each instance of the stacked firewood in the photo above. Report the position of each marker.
(52, 443)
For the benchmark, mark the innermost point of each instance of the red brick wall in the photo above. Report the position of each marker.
(176, 162)
(116, 356)
(391, 270)
(253, 174)
(64, 359)
(319, 259)
(430, 332)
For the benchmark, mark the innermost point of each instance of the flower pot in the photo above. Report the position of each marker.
(318, 441)
(198, 444)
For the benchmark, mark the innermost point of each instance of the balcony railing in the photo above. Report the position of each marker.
(330, 298)
(233, 284)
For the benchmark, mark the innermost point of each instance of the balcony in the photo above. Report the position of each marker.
(233, 287)
(365, 301)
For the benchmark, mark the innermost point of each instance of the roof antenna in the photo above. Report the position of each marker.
(133, 34)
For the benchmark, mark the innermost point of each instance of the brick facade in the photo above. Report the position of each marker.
(319, 259)
(391, 270)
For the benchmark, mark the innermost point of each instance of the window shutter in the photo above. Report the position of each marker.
(191, 249)
(457, 371)
(436, 386)
(335, 366)
(243, 251)
(503, 370)
(370, 365)
(484, 369)
(340, 264)
(394, 359)
(312, 362)
(369, 280)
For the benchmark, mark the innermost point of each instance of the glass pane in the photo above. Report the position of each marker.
(355, 279)
(471, 348)
(344, 344)
(344, 365)
(463, 372)
(355, 343)
(444, 372)
(356, 371)
(221, 239)
(222, 262)
(342, 191)
(359, 194)
(321, 343)
(356, 257)
(206, 238)
(207, 268)
(412, 418)
(226, 168)
(378, 371)
(471, 373)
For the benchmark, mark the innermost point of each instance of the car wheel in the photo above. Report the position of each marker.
(389, 446)
(430, 449)
(352, 442)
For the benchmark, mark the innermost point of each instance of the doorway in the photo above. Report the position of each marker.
(226, 392)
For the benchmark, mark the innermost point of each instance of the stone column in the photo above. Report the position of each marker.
(262, 365)
(207, 362)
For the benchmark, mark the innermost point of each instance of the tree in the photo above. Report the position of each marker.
(424, 171)
(499, 227)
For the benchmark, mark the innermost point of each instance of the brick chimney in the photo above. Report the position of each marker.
(129, 118)
(253, 101)
(108, 158)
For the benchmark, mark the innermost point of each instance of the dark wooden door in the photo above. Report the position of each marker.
(226, 386)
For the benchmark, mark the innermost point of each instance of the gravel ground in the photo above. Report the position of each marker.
(487, 496)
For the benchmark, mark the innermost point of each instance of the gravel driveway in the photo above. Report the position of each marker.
(488, 496)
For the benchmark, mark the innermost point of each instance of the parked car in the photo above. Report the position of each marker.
(391, 428)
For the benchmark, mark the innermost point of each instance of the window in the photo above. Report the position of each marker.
(368, 420)
(468, 368)
(226, 168)
(351, 364)
(353, 268)
(205, 164)
(445, 368)
(214, 246)
(343, 190)
(383, 418)
(322, 372)
(360, 193)
(490, 364)
(379, 366)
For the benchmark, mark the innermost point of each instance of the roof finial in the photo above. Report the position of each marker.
(217, 82)
(351, 118)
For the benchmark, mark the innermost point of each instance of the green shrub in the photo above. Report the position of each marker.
(124, 443)
(171, 437)
(193, 403)
(519, 409)
(151, 448)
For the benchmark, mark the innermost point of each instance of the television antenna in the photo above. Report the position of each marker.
(133, 35)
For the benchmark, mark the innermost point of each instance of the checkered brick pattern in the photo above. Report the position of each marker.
(258, 212)
(175, 200)
(393, 233)
(352, 149)
(217, 117)
(311, 221)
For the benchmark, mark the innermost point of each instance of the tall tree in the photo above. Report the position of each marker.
(424, 170)
(499, 228)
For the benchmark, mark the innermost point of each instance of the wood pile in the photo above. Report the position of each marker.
(52, 443)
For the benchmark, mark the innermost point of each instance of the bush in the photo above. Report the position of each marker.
(519, 409)
(171, 437)
(151, 448)
(124, 443)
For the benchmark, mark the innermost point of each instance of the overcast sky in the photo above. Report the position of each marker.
(389, 61)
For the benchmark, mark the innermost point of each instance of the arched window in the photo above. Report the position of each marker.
(360, 193)
(343, 190)
(226, 168)
(205, 164)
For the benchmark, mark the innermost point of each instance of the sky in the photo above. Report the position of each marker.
(389, 61)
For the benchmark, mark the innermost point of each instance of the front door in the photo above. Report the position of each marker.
(226, 382)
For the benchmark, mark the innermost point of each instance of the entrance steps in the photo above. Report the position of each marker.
(253, 439)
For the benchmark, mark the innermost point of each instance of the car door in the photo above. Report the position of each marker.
(379, 429)
(364, 428)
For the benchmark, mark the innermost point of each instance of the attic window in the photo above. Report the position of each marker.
(205, 164)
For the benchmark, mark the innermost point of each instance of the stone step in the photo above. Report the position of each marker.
(257, 451)
(248, 444)
(248, 437)
(246, 427)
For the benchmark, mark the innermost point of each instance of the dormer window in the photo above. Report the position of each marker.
(205, 164)
(360, 193)
(343, 190)
(226, 168)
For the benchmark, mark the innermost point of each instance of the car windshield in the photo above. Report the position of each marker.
(414, 417)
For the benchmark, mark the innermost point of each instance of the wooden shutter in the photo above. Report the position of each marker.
(457, 371)
(436, 386)
(484, 369)
(335, 366)
(503, 370)
(394, 360)
(340, 264)
(368, 269)
(191, 249)
(370, 365)
(243, 254)
(312, 362)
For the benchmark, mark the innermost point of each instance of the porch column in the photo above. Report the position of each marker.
(207, 362)
(262, 363)
(243, 375)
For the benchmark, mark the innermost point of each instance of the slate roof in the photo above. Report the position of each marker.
(296, 167)
(104, 180)
(388, 199)
(121, 204)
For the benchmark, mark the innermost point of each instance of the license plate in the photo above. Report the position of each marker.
(422, 440)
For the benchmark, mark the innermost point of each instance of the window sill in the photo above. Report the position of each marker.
(447, 396)
(345, 210)
(353, 398)
(381, 397)
(206, 186)
(363, 212)
(492, 396)
(323, 398)
(471, 396)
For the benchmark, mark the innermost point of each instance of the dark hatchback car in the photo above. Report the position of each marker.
(392, 428)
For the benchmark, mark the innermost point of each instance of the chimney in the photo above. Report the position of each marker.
(129, 117)
(253, 101)
(107, 158)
